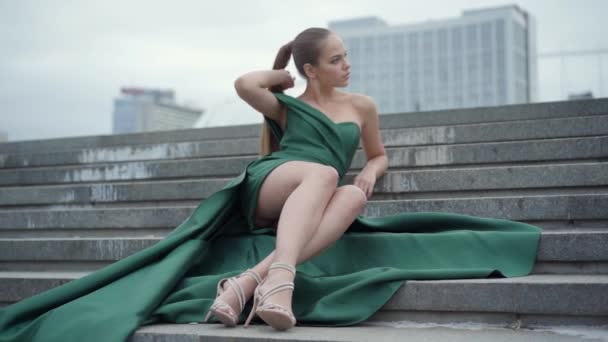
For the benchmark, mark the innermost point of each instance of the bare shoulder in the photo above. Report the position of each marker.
(370, 124)
(365, 106)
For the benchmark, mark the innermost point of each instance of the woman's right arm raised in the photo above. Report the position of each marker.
(253, 86)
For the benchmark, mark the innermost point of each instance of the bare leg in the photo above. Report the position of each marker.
(299, 220)
(346, 203)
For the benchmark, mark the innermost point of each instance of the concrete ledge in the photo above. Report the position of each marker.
(95, 218)
(542, 110)
(547, 110)
(529, 208)
(565, 246)
(533, 294)
(16, 286)
(178, 150)
(573, 246)
(95, 141)
(490, 301)
(519, 208)
(486, 153)
(458, 134)
(410, 183)
(111, 192)
(570, 267)
(397, 184)
(221, 167)
(412, 157)
(72, 250)
(365, 332)
(481, 320)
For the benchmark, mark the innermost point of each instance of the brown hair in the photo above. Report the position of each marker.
(305, 48)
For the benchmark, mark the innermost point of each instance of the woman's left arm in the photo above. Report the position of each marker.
(377, 162)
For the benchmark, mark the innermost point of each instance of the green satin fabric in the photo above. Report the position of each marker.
(175, 279)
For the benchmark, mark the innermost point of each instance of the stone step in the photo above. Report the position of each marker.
(570, 209)
(556, 297)
(581, 251)
(521, 301)
(401, 184)
(457, 134)
(386, 331)
(550, 150)
(547, 110)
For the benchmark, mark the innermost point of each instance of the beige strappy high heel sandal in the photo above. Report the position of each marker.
(273, 314)
(227, 316)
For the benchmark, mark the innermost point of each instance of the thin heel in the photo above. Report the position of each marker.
(282, 319)
(230, 318)
(209, 313)
(253, 309)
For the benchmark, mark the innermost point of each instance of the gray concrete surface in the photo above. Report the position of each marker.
(525, 207)
(434, 135)
(548, 110)
(73, 205)
(393, 331)
(562, 149)
(400, 184)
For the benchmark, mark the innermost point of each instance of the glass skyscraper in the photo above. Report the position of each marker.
(485, 57)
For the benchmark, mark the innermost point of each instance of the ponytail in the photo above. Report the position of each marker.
(268, 143)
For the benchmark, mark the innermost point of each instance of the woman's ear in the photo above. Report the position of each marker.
(310, 70)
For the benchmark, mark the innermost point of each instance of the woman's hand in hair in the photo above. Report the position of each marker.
(288, 81)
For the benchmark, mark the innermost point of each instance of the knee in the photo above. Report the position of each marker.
(357, 196)
(325, 174)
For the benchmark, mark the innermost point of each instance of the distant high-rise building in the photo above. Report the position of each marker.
(485, 57)
(142, 110)
(581, 96)
(3, 136)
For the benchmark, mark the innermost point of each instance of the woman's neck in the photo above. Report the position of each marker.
(320, 95)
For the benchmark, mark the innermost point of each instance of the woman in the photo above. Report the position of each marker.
(300, 197)
(285, 209)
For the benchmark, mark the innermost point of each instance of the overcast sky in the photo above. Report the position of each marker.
(63, 62)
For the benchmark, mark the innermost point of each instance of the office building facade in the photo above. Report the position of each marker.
(143, 110)
(486, 57)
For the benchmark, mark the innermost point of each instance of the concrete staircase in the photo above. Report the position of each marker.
(70, 206)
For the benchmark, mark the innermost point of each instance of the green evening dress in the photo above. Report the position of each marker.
(175, 279)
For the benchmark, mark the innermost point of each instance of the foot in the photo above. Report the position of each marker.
(230, 297)
(282, 298)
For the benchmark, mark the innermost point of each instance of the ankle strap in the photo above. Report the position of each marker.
(284, 266)
(253, 274)
(277, 288)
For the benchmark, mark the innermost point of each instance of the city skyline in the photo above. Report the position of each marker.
(62, 62)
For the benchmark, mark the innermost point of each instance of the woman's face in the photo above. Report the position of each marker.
(333, 68)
